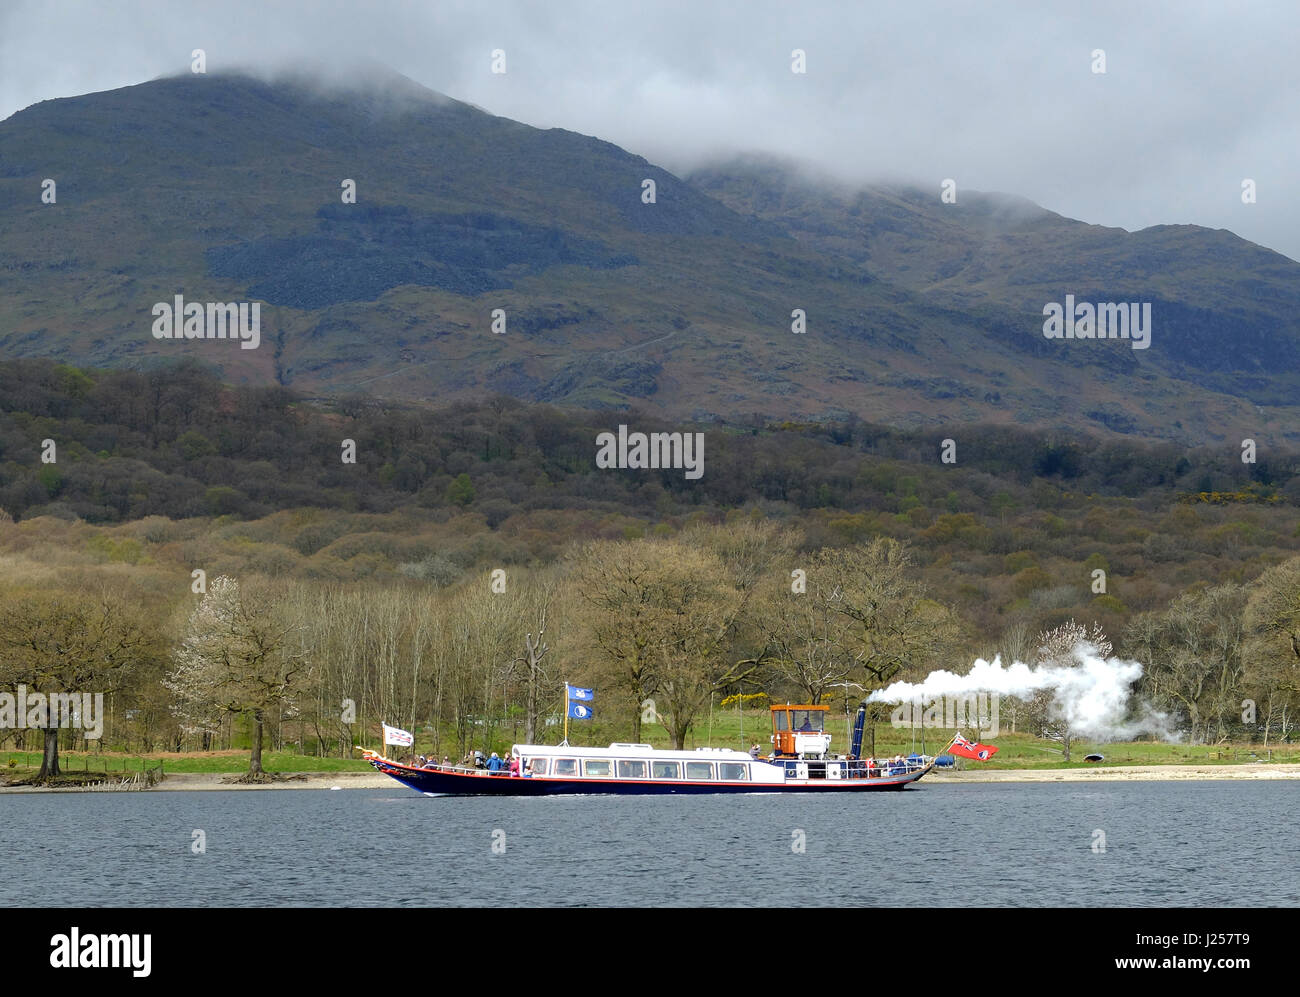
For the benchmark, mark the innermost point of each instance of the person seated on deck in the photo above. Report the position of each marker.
(753, 751)
(514, 765)
(446, 761)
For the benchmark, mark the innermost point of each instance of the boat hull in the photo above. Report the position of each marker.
(436, 782)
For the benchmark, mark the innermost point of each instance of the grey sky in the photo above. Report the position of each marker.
(999, 96)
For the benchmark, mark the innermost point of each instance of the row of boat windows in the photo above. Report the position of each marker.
(604, 768)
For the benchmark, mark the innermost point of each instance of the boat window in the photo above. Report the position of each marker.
(699, 770)
(666, 770)
(807, 720)
(538, 765)
(631, 770)
(781, 720)
(596, 767)
(566, 766)
(733, 770)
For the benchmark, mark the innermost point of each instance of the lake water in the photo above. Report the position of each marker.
(1029, 844)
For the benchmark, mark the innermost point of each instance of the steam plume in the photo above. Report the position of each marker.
(1092, 698)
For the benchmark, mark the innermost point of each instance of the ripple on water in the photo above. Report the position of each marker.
(1027, 844)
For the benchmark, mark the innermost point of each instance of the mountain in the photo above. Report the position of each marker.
(225, 188)
(1228, 311)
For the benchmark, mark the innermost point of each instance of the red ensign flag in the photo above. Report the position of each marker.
(969, 749)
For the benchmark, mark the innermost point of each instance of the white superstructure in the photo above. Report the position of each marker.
(643, 763)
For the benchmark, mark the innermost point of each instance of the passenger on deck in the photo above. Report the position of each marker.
(514, 765)
(494, 763)
(753, 751)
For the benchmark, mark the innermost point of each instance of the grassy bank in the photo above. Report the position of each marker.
(26, 763)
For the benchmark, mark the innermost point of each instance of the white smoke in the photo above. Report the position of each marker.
(1092, 697)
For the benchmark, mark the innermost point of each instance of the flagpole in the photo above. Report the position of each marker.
(935, 760)
(566, 714)
(955, 734)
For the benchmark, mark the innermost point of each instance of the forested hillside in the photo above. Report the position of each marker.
(406, 582)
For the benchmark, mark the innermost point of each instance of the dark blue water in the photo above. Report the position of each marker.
(1029, 844)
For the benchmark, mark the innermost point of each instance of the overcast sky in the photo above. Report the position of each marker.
(998, 96)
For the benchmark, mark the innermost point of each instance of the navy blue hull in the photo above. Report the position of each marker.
(443, 783)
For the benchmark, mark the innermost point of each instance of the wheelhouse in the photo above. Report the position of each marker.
(799, 730)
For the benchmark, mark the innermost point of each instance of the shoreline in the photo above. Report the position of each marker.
(217, 781)
(209, 781)
(1125, 773)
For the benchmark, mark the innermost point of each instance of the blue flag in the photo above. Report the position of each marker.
(585, 695)
(579, 712)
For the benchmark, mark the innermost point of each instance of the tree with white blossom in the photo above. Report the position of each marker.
(233, 659)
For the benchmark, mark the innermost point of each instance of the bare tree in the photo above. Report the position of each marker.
(1193, 652)
(699, 609)
(899, 626)
(1271, 657)
(810, 641)
(535, 606)
(1273, 613)
(1017, 644)
(620, 587)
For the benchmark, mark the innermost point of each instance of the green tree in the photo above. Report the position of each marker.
(62, 642)
(461, 490)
